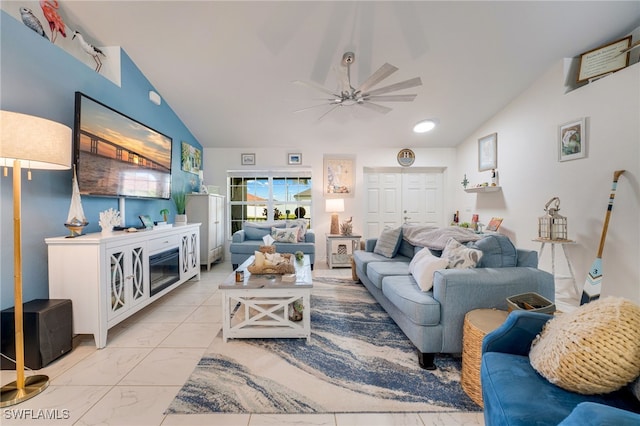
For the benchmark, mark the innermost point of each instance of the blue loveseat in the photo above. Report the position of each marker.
(248, 240)
(433, 320)
(514, 393)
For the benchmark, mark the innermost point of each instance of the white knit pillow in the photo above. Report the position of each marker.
(594, 349)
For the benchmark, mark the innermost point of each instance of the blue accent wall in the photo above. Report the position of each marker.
(39, 78)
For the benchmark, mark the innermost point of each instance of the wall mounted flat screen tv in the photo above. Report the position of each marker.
(117, 156)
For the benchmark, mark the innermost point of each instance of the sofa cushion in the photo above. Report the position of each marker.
(592, 350)
(422, 267)
(257, 230)
(376, 271)
(419, 306)
(407, 249)
(363, 258)
(513, 393)
(497, 251)
(460, 256)
(388, 242)
(285, 235)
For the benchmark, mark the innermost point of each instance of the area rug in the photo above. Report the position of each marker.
(358, 361)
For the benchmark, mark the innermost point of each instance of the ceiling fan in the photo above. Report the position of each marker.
(363, 95)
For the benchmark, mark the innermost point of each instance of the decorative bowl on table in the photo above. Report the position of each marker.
(272, 263)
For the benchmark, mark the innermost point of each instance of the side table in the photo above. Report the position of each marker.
(477, 324)
(563, 244)
(338, 251)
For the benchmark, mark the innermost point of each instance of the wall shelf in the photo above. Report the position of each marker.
(483, 189)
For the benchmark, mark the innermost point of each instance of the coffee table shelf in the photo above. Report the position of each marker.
(258, 307)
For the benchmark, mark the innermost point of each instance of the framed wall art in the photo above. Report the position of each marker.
(572, 140)
(294, 159)
(248, 159)
(339, 176)
(604, 60)
(191, 159)
(488, 152)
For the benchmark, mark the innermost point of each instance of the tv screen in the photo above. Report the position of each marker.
(116, 156)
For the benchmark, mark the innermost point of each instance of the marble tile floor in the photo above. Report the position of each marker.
(148, 358)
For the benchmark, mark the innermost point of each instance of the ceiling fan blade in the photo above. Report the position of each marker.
(383, 72)
(391, 98)
(398, 86)
(377, 108)
(315, 86)
(325, 114)
(314, 106)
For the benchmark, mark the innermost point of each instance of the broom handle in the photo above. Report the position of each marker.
(616, 175)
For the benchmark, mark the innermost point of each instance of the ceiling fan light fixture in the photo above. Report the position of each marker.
(424, 126)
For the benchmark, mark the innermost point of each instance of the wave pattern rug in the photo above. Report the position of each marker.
(358, 361)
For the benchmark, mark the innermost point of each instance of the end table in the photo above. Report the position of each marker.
(338, 251)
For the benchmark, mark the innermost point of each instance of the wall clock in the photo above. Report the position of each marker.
(406, 157)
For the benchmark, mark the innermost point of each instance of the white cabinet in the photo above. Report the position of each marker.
(109, 277)
(208, 209)
(189, 253)
(128, 278)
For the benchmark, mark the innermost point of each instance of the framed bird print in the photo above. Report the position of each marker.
(572, 140)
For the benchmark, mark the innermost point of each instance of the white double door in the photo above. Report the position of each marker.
(396, 196)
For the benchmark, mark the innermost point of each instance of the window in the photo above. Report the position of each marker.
(268, 195)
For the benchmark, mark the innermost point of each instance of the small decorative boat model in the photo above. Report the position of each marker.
(76, 220)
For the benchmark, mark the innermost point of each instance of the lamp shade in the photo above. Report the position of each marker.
(40, 143)
(334, 205)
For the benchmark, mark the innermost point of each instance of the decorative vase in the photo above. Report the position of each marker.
(107, 230)
(181, 219)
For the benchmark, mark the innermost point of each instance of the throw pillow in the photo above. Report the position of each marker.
(422, 267)
(257, 230)
(301, 224)
(388, 242)
(285, 235)
(497, 251)
(592, 350)
(459, 256)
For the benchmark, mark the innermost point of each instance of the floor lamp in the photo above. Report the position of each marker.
(35, 143)
(334, 206)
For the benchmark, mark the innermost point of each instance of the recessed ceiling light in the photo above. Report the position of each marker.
(424, 126)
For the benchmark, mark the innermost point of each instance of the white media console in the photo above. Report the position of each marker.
(109, 277)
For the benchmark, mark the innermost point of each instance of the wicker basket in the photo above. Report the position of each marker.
(477, 324)
(531, 302)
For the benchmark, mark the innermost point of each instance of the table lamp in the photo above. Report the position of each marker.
(36, 143)
(334, 206)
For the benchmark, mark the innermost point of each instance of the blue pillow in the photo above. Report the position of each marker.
(497, 251)
(257, 230)
(388, 242)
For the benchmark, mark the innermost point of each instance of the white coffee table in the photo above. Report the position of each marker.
(258, 307)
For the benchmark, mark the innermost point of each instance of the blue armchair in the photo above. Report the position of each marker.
(515, 394)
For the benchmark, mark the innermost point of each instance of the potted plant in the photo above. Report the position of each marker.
(180, 199)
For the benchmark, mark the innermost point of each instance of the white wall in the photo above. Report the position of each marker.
(217, 161)
(530, 173)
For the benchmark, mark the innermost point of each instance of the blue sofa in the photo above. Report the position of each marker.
(433, 320)
(248, 240)
(515, 394)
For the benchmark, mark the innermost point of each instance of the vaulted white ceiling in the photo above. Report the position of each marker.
(226, 68)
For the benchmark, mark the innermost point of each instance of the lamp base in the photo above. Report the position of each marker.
(33, 385)
(335, 224)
